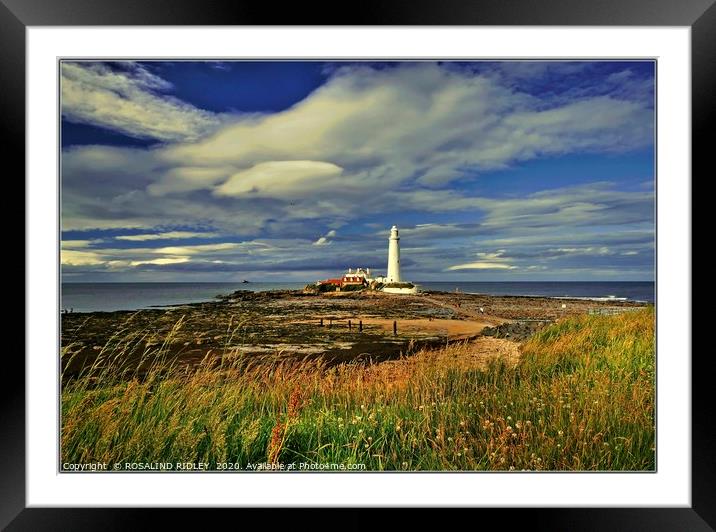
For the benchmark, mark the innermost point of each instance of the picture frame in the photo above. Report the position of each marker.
(700, 16)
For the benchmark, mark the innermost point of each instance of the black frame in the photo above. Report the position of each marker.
(15, 15)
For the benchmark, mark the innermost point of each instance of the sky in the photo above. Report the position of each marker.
(295, 171)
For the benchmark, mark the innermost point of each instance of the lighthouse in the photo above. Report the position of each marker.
(393, 256)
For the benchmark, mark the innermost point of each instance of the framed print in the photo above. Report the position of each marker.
(324, 266)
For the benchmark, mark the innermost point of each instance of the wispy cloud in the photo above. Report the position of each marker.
(79, 244)
(482, 265)
(167, 235)
(127, 98)
(160, 261)
(73, 257)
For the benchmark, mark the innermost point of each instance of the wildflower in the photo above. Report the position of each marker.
(560, 433)
(459, 454)
(420, 407)
(365, 445)
(559, 445)
(405, 465)
(370, 438)
(508, 428)
(397, 428)
(449, 439)
(509, 418)
(518, 424)
(528, 422)
(502, 460)
(362, 407)
(512, 468)
(465, 449)
(514, 435)
(462, 423)
(360, 431)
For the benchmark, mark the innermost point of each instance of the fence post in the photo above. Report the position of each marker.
(395, 328)
(360, 326)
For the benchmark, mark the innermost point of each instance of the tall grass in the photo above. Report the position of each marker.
(580, 398)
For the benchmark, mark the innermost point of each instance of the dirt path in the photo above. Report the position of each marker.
(453, 329)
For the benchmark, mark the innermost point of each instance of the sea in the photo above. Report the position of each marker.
(108, 297)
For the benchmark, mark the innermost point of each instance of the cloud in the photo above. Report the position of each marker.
(325, 239)
(432, 231)
(75, 244)
(80, 258)
(481, 265)
(392, 124)
(127, 98)
(167, 235)
(490, 260)
(159, 255)
(282, 178)
(200, 248)
(180, 179)
(366, 139)
(161, 261)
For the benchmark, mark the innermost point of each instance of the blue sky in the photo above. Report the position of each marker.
(294, 171)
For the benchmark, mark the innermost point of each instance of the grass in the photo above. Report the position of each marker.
(580, 398)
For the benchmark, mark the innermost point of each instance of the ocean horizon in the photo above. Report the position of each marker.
(114, 296)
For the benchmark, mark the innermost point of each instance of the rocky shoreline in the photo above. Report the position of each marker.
(295, 324)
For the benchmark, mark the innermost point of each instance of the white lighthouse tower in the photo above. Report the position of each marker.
(393, 256)
(394, 284)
